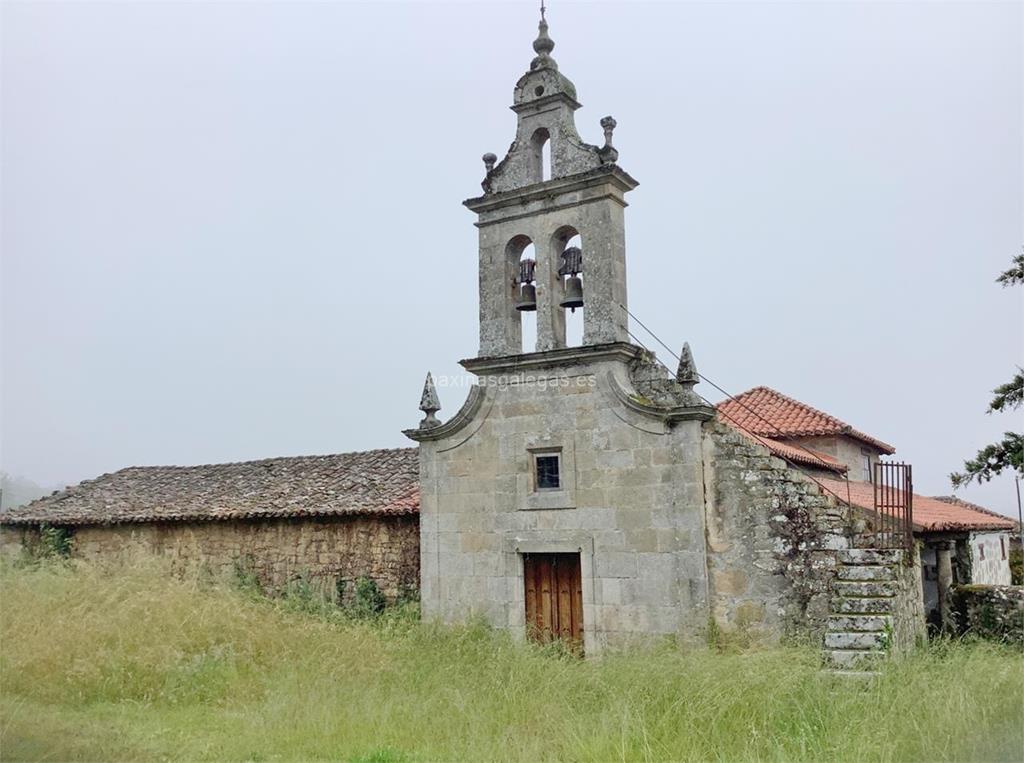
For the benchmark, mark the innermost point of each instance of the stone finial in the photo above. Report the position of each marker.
(543, 46)
(608, 152)
(429, 404)
(489, 160)
(687, 371)
(608, 124)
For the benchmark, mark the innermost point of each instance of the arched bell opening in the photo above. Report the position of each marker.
(570, 272)
(522, 267)
(540, 155)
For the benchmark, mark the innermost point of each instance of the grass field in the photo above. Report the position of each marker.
(135, 665)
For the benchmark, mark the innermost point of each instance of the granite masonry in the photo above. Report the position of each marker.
(990, 611)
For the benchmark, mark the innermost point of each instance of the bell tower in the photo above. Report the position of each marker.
(578, 191)
(566, 495)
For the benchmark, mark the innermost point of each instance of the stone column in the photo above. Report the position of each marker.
(944, 565)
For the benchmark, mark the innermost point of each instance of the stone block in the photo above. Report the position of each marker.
(729, 582)
(863, 606)
(615, 564)
(848, 588)
(870, 556)
(856, 640)
(844, 659)
(864, 572)
(846, 623)
(609, 590)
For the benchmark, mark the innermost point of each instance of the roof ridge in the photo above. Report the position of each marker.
(841, 426)
(805, 406)
(268, 459)
(379, 480)
(957, 501)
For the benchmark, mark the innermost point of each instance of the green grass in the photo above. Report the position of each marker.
(136, 665)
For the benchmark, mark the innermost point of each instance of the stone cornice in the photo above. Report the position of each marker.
(565, 356)
(542, 104)
(610, 174)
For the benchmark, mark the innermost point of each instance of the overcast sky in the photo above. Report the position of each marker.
(233, 230)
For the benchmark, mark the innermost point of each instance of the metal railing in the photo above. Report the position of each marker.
(894, 505)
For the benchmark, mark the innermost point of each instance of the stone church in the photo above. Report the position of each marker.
(581, 492)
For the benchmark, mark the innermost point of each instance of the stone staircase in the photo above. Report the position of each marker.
(860, 627)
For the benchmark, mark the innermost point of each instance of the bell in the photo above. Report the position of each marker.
(527, 299)
(573, 297)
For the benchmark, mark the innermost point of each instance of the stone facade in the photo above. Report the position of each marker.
(630, 502)
(326, 551)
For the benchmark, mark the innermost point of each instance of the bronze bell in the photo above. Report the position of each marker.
(573, 296)
(527, 299)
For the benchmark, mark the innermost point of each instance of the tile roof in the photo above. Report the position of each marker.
(367, 482)
(961, 502)
(930, 514)
(768, 413)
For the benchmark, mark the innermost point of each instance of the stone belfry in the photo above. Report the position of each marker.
(565, 496)
(580, 191)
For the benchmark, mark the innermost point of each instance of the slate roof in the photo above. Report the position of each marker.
(375, 482)
(767, 413)
(930, 514)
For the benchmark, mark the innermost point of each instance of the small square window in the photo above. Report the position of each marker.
(547, 466)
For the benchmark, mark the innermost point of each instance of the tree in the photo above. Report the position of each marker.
(1008, 453)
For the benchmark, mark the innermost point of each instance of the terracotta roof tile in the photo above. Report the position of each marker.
(366, 482)
(768, 413)
(930, 514)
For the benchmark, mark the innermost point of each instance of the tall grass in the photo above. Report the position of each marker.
(107, 664)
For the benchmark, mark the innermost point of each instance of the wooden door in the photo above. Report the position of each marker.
(554, 598)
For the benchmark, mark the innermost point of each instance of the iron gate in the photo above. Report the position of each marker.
(894, 505)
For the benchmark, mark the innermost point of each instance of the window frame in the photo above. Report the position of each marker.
(537, 455)
(865, 465)
(529, 497)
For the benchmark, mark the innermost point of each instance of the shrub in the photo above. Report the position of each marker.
(368, 600)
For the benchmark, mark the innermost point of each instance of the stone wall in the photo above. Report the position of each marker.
(908, 621)
(990, 611)
(325, 550)
(772, 539)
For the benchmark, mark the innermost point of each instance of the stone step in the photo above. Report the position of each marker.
(864, 572)
(864, 640)
(846, 659)
(870, 556)
(862, 606)
(858, 623)
(848, 588)
(853, 673)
